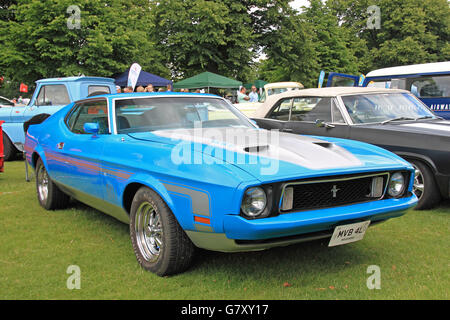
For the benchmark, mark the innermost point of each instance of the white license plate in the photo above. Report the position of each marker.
(348, 233)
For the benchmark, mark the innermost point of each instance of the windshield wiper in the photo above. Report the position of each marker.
(397, 119)
(424, 117)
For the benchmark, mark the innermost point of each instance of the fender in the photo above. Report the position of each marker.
(38, 152)
(14, 132)
(152, 183)
(421, 157)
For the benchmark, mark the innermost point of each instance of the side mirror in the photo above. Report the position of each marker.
(323, 124)
(91, 127)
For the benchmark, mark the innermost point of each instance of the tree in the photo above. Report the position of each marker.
(306, 43)
(200, 35)
(411, 31)
(291, 55)
(5, 13)
(333, 49)
(40, 41)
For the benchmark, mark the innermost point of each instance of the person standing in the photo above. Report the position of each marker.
(254, 97)
(150, 88)
(242, 95)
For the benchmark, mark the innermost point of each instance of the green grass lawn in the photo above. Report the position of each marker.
(37, 247)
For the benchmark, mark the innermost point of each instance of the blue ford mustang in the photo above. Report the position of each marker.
(189, 170)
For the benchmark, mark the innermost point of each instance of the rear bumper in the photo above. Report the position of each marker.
(247, 235)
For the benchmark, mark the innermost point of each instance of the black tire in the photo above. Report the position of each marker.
(9, 150)
(49, 195)
(425, 186)
(160, 244)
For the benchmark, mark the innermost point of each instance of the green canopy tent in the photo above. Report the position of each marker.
(207, 80)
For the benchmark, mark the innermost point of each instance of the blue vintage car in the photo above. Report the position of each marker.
(189, 170)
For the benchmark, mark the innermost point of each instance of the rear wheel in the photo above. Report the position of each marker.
(49, 195)
(160, 244)
(425, 187)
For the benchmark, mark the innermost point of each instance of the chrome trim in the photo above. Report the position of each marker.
(42, 184)
(285, 185)
(340, 108)
(149, 232)
(344, 111)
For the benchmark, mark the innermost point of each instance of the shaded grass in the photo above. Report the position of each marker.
(37, 246)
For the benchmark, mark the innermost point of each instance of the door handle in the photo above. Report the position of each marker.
(60, 145)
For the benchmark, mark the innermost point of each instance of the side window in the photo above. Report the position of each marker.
(282, 110)
(398, 83)
(430, 87)
(98, 90)
(336, 113)
(89, 112)
(339, 81)
(384, 84)
(53, 95)
(311, 109)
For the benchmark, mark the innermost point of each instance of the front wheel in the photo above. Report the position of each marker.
(160, 244)
(10, 151)
(425, 187)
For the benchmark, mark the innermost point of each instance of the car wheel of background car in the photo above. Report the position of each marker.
(160, 244)
(49, 195)
(425, 187)
(10, 151)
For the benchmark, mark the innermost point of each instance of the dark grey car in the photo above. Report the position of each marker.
(392, 119)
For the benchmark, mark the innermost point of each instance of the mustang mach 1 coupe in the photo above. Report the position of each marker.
(389, 118)
(190, 170)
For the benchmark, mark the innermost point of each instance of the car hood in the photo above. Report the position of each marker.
(273, 155)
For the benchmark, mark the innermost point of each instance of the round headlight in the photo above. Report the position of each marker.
(254, 202)
(396, 185)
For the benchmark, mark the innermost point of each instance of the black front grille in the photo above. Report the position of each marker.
(323, 194)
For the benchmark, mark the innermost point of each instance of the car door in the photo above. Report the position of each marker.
(342, 80)
(76, 156)
(51, 98)
(318, 116)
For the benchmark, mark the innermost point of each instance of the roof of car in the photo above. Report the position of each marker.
(148, 94)
(319, 92)
(435, 67)
(71, 79)
(283, 85)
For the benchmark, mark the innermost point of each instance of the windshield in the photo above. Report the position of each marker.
(381, 107)
(167, 113)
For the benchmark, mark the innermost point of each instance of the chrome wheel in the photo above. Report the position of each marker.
(42, 184)
(418, 186)
(149, 232)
